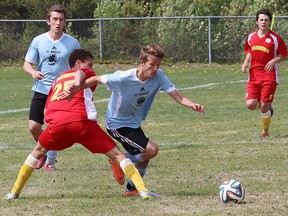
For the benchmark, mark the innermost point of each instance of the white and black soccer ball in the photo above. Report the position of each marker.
(231, 191)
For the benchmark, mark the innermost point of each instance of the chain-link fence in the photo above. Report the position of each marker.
(192, 39)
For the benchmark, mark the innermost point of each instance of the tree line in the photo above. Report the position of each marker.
(182, 39)
(35, 9)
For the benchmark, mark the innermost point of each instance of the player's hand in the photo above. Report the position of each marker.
(198, 108)
(37, 75)
(73, 89)
(269, 66)
(243, 68)
(64, 95)
(68, 93)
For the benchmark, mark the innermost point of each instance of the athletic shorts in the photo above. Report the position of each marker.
(261, 90)
(87, 133)
(37, 108)
(133, 140)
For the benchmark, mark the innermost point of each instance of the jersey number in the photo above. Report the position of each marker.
(59, 87)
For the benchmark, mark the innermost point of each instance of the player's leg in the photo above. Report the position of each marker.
(57, 138)
(97, 141)
(253, 104)
(36, 120)
(266, 119)
(26, 170)
(253, 94)
(131, 172)
(36, 129)
(50, 161)
(150, 151)
(139, 150)
(267, 96)
(126, 165)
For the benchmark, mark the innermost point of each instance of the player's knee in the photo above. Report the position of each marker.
(35, 128)
(153, 151)
(252, 106)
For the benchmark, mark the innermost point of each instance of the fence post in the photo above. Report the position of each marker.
(100, 39)
(209, 40)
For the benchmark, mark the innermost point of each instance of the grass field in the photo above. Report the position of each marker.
(197, 153)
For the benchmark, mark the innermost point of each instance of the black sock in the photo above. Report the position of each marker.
(130, 187)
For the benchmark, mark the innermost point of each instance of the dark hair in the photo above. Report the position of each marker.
(79, 54)
(151, 49)
(264, 11)
(57, 8)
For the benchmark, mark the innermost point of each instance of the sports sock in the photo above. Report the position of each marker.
(134, 158)
(131, 157)
(130, 185)
(24, 174)
(51, 157)
(266, 119)
(139, 157)
(132, 173)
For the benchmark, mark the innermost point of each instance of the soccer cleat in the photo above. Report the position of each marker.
(264, 135)
(117, 172)
(11, 195)
(145, 194)
(50, 167)
(131, 193)
(41, 162)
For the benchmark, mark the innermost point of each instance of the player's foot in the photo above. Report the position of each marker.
(131, 193)
(41, 162)
(145, 194)
(271, 110)
(264, 136)
(10, 196)
(117, 172)
(50, 167)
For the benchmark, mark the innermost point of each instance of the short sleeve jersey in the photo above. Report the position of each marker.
(263, 50)
(131, 98)
(80, 108)
(51, 57)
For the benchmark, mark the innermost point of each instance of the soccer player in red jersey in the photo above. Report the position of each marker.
(264, 50)
(75, 121)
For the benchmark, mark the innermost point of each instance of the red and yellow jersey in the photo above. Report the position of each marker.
(263, 50)
(80, 108)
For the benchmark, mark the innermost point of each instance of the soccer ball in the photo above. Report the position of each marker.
(231, 191)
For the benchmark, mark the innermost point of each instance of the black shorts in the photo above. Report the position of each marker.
(37, 108)
(132, 139)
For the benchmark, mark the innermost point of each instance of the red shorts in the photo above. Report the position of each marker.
(87, 133)
(261, 90)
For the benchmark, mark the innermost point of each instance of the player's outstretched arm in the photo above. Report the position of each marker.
(91, 82)
(179, 98)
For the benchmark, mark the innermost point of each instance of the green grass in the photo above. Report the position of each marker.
(197, 153)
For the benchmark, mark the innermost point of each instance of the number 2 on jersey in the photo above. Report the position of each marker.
(59, 87)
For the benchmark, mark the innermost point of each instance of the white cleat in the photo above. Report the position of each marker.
(10, 196)
(145, 194)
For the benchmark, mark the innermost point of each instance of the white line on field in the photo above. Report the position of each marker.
(212, 84)
(107, 99)
(14, 111)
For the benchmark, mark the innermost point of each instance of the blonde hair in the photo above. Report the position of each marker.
(151, 49)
